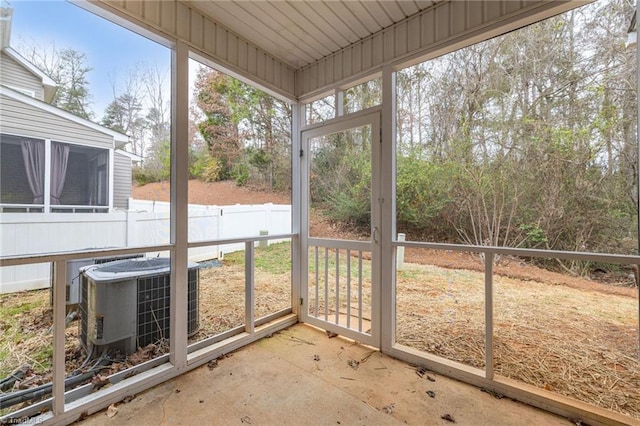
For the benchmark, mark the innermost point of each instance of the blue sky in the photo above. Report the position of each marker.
(111, 50)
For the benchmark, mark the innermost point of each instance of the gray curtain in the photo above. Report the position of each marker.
(33, 156)
(59, 160)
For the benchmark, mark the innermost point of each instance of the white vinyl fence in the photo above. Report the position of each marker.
(145, 223)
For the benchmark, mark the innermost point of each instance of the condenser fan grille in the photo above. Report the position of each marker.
(130, 265)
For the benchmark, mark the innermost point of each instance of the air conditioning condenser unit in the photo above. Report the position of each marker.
(126, 304)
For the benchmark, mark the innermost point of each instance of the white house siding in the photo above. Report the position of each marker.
(18, 118)
(15, 76)
(121, 181)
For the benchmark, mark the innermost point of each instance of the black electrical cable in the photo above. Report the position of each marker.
(18, 374)
(88, 357)
(13, 398)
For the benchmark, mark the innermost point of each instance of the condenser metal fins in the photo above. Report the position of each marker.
(126, 304)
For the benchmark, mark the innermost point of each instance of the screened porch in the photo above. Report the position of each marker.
(365, 302)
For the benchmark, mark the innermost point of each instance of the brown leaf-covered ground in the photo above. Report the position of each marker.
(228, 193)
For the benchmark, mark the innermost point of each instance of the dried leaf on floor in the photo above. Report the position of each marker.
(431, 393)
(421, 371)
(99, 381)
(331, 334)
(389, 408)
(353, 364)
(448, 417)
(212, 364)
(112, 410)
(316, 357)
(424, 372)
(246, 420)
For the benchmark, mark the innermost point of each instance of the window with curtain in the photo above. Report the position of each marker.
(22, 170)
(59, 161)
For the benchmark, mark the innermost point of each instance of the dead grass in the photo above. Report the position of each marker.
(574, 341)
(579, 343)
(25, 319)
(222, 298)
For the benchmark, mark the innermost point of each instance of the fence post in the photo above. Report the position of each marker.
(219, 233)
(400, 253)
(130, 240)
(263, 243)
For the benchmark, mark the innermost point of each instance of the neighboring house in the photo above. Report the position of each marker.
(50, 159)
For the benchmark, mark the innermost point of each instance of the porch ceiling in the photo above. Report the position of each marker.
(301, 32)
(299, 49)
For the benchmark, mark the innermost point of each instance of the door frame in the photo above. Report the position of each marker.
(371, 117)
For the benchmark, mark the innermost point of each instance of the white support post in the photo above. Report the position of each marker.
(110, 179)
(46, 193)
(59, 311)
(488, 315)
(387, 206)
(400, 253)
(249, 288)
(296, 209)
(179, 203)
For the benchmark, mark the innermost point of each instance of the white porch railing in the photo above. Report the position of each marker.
(61, 406)
(40, 208)
(340, 292)
(21, 208)
(486, 377)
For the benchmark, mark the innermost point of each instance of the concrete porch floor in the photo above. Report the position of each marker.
(300, 376)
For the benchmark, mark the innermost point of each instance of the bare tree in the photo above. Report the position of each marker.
(69, 69)
(125, 113)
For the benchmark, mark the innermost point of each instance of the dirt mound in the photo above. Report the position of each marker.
(515, 268)
(212, 194)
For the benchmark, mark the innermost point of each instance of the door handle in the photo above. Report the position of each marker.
(374, 234)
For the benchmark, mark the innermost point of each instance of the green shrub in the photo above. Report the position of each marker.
(423, 192)
(143, 176)
(349, 207)
(212, 171)
(205, 168)
(240, 174)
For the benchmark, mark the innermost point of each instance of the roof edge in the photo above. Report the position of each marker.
(118, 138)
(16, 56)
